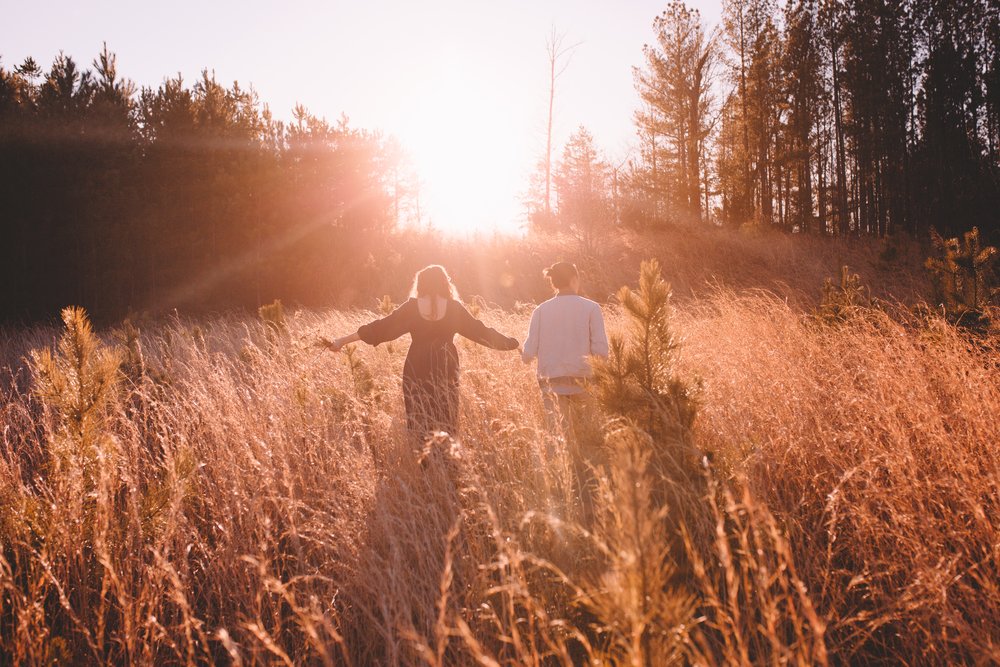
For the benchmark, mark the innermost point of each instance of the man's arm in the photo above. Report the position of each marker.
(530, 350)
(598, 337)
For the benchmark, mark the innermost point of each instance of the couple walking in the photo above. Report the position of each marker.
(564, 332)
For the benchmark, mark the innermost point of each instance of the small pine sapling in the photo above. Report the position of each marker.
(962, 277)
(361, 376)
(78, 386)
(638, 383)
(841, 302)
(385, 305)
(638, 380)
(273, 315)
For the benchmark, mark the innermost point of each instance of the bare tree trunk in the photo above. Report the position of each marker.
(656, 177)
(548, 132)
(821, 166)
(745, 196)
(694, 133)
(806, 186)
(556, 51)
(766, 188)
(842, 214)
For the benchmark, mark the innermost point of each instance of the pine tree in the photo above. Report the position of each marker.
(78, 388)
(675, 88)
(962, 277)
(801, 63)
(831, 20)
(840, 301)
(652, 406)
(752, 37)
(273, 316)
(582, 187)
(638, 382)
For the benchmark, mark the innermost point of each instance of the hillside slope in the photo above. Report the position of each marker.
(505, 270)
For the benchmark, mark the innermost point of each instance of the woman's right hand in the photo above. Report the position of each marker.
(337, 344)
(333, 345)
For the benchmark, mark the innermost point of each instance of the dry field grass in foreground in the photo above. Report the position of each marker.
(231, 494)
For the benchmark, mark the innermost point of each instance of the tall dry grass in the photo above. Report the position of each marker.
(237, 495)
(873, 443)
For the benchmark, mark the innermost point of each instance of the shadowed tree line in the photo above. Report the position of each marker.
(119, 198)
(830, 117)
(826, 117)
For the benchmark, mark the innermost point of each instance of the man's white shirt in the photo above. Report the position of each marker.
(564, 332)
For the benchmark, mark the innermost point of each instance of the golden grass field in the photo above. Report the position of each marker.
(221, 491)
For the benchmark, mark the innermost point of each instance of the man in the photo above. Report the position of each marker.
(564, 332)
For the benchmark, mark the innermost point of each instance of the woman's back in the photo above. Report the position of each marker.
(432, 308)
(407, 318)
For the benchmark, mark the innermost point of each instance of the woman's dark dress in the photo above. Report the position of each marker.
(430, 373)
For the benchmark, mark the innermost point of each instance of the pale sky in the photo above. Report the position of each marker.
(462, 84)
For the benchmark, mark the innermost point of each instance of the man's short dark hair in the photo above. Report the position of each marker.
(561, 274)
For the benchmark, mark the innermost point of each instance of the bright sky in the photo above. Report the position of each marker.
(462, 83)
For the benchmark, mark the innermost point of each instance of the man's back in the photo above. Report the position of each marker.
(564, 331)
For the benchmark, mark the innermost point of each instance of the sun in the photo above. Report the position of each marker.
(469, 151)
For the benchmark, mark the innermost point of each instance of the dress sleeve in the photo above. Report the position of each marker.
(598, 337)
(471, 328)
(390, 327)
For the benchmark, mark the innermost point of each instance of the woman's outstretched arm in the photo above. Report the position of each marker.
(337, 343)
(478, 332)
(390, 327)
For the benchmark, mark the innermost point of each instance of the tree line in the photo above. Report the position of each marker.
(828, 117)
(825, 117)
(184, 195)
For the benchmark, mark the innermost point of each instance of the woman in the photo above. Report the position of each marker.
(432, 316)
